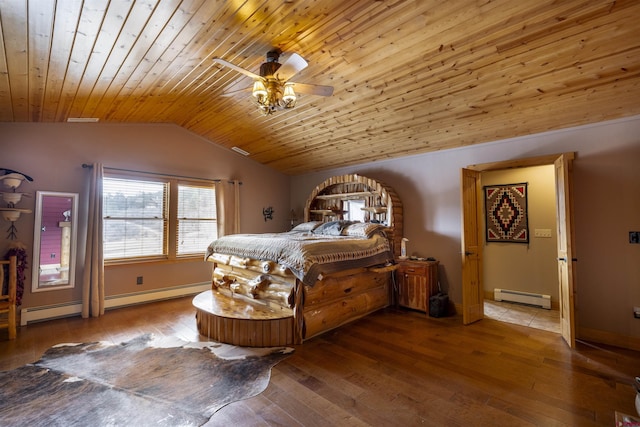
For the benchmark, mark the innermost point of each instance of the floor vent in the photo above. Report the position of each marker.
(538, 300)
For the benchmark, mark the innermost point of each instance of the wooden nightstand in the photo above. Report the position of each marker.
(416, 282)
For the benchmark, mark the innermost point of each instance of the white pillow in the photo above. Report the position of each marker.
(306, 226)
(361, 229)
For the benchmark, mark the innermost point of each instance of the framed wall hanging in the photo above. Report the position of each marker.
(506, 213)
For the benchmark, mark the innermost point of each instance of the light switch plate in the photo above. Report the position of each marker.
(542, 232)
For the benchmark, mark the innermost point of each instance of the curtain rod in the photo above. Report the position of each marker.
(88, 166)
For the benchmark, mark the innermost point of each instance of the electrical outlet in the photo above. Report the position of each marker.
(634, 237)
(139, 280)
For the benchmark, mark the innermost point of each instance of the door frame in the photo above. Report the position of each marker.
(470, 287)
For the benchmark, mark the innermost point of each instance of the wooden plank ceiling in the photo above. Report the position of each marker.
(409, 76)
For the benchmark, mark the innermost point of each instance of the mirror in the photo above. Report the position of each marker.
(54, 241)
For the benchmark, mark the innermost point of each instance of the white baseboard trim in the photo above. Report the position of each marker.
(72, 308)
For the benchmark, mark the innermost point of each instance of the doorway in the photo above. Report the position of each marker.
(529, 266)
(472, 248)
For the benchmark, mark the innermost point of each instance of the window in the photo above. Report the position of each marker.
(158, 217)
(197, 225)
(354, 210)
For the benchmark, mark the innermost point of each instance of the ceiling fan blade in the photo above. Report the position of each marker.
(312, 89)
(236, 68)
(292, 66)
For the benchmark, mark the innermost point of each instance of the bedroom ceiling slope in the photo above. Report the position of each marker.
(410, 76)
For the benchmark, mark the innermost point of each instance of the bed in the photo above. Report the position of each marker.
(283, 288)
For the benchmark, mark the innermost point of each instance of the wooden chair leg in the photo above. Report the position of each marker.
(12, 323)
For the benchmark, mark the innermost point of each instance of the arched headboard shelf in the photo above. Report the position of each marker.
(382, 204)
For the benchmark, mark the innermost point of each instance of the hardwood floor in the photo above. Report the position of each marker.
(393, 368)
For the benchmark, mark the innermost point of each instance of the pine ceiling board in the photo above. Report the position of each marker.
(182, 29)
(141, 35)
(377, 35)
(14, 26)
(543, 69)
(499, 125)
(6, 108)
(118, 34)
(200, 85)
(40, 24)
(286, 31)
(145, 85)
(324, 19)
(544, 27)
(108, 42)
(67, 14)
(229, 31)
(448, 32)
(86, 33)
(409, 76)
(579, 40)
(441, 59)
(449, 55)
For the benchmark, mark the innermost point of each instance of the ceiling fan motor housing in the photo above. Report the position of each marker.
(269, 68)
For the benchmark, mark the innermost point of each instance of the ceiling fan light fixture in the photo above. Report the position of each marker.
(289, 96)
(259, 90)
(273, 98)
(271, 89)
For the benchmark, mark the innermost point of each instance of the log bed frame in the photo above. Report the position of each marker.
(238, 310)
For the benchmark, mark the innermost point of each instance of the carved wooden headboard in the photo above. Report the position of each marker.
(381, 203)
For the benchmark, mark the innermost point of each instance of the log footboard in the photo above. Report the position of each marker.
(248, 320)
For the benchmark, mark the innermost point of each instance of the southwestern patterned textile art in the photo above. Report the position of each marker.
(506, 213)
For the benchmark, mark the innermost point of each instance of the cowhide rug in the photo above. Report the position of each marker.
(142, 382)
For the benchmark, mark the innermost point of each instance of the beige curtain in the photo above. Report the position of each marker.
(228, 203)
(93, 278)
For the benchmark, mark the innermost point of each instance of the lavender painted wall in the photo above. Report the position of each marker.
(606, 206)
(606, 199)
(53, 154)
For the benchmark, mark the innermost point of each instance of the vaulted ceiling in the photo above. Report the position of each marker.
(409, 76)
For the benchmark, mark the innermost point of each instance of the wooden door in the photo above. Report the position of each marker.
(472, 289)
(566, 259)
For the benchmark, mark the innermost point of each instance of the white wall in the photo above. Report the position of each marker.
(606, 206)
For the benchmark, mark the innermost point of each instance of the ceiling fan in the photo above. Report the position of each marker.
(272, 88)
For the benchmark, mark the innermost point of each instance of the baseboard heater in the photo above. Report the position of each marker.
(538, 300)
(73, 308)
